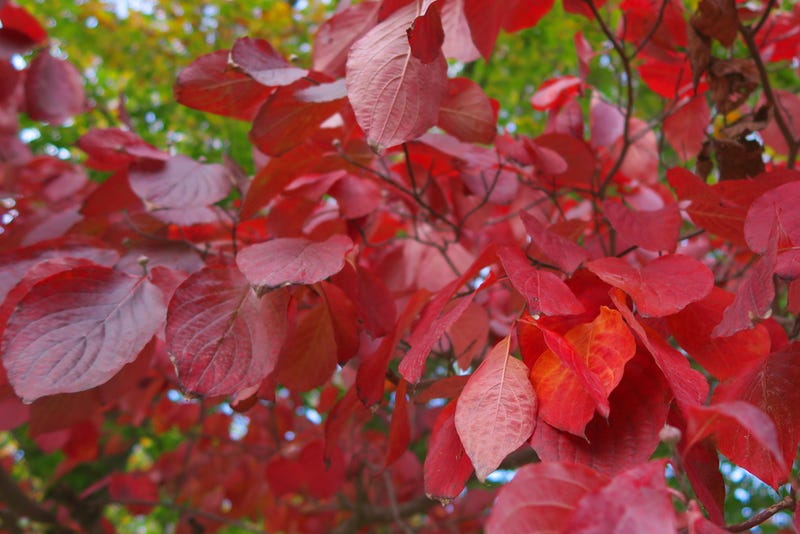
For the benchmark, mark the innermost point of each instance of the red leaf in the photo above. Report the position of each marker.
(15, 263)
(707, 209)
(486, 17)
(544, 291)
(743, 433)
(292, 114)
(637, 500)
(394, 95)
(20, 32)
(686, 128)
(293, 260)
(221, 337)
(575, 153)
(209, 84)
(425, 36)
(606, 122)
(457, 35)
(496, 410)
(133, 487)
(689, 386)
(467, 113)
(337, 34)
(257, 59)
(772, 387)
(175, 191)
(74, 330)
(652, 230)
(555, 92)
(111, 149)
(542, 497)
(723, 357)
(53, 89)
(774, 213)
(400, 427)
(664, 286)
(447, 466)
(566, 254)
(753, 298)
(372, 371)
(309, 358)
(639, 407)
(580, 370)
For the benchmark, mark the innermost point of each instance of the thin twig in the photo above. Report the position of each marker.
(787, 503)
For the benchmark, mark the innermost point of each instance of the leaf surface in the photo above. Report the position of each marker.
(293, 260)
(467, 113)
(257, 59)
(74, 330)
(53, 89)
(652, 230)
(395, 96)
(662, 287)
(447, 466)
(496, 410)
(221, 337)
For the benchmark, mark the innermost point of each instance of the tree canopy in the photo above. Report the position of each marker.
(399, 266)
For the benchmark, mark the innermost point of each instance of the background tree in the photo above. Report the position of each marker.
(346, 272)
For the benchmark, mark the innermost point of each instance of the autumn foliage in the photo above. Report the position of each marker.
(403, 297)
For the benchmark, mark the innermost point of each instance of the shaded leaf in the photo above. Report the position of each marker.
(425, 36)
(257, 59)
(652, 230)
(309, 356)
(467, 113)
(53, 89)
(447, 466)
(566, 254)
(221, 337)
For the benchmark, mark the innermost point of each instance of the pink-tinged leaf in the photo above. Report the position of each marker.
(112, 149)
(221, 337)
(555, 92)
(447, 466)
(580, 370)
(652, 230)
(468, 335)
(641, 159)
(338, 33)
(182, 190)
(753, 298)
(292, 114)
(689, 386)
(209, 84)
(606, 123)
(772, 387)
(309, 356)
(257, 59)
(467, 113)
(53, 89)
(20, 32)
(541, 498)
(743, 433)
(15, 263)
(663, 287)
(685, 129)
(394, 95)
(566, 254)
(293, 260)
(496, 410)
(639, 407)
(74, 330)
(457, 35)
(544, 291)
(723, 357)
(774, 212)
(425, 36)
(637, 500)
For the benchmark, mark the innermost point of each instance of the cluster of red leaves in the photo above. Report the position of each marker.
(402, 267)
